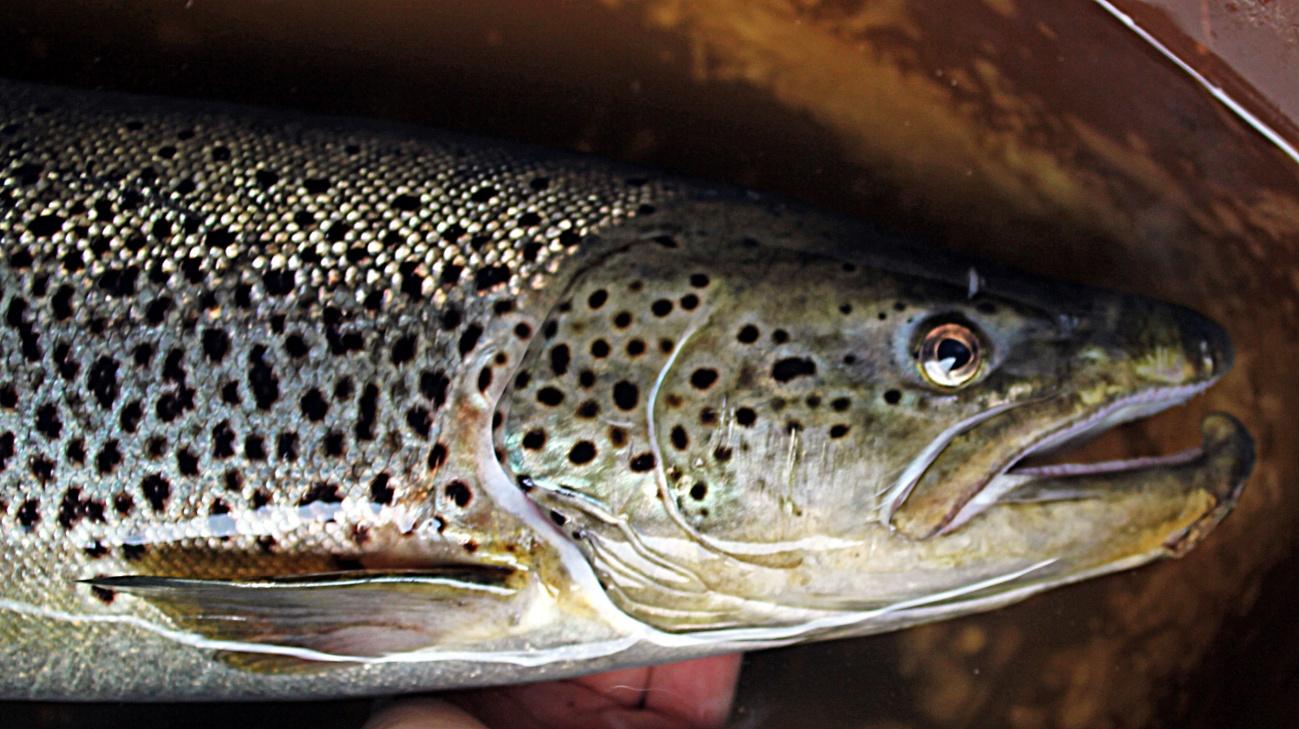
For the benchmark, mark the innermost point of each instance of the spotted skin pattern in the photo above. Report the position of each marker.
(228, 331)
(297, 408)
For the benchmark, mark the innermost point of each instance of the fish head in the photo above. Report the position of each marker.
(756, 436)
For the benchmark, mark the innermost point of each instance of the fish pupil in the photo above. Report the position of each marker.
(956, 351)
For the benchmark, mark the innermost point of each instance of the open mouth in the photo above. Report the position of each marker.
(1047, 468)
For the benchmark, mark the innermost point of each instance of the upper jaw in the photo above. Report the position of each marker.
(974, 467)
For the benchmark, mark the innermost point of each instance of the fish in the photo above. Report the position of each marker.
(300, 407)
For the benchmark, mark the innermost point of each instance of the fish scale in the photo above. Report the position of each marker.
(299, 407)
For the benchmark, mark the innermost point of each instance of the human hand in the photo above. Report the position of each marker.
(689, 695)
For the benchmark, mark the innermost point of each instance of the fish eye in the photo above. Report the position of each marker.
(950, 355)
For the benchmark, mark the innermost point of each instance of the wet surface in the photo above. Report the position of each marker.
(1047, 136)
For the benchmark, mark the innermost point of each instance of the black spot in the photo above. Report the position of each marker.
(550, 396)
(661, 308)
(419, 420)
(255, 448)
(172, 367)
(437, 456)
(8, 397)
(483, 194)
(261, 379)
(123, 503)
(838, 431)
(74, 452)
(636, 347)
(680, 439)
(278, 282)
(367, 410)
(433, 385)
(703, 378)
(45, 226)
(588, 409)
(459, 493)
(484, 378)
(490, 276)
(47, 421)
(558, 518)
(791, 367)
(215, 344)
(586, 378)
(840, 404)
(622, 319)
(534, 440)
(746, 416)
(617, 436)
(642, 462)
(689, 302)
(559, 359)
(343, 389)
(597, 298)
(599, 349)
(380, 491)
(405, 202)
(892, 397)
(748, 334)
(722, 454)
(131, 416)
(780, 336)
(335, 445)
(102, 381)
(316, 185)
(260, 499)
(698, 280)
(286, 446)
(625, 395)
(156, 491)
(450, 274)
(61, 303)
(324, 492)
(29, 514)
(230, 393)
(314, 405)
(582, 452)
(522, 330)
(42, 468)
(186, 462)
(295, 346)
(699, 491)
(223, 440)
(403, 350)
(469, 339)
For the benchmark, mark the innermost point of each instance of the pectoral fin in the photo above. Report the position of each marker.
(333, 616)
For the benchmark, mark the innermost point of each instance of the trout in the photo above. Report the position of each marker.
(299, 407)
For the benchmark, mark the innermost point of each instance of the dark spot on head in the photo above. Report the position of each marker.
(469, 339)
(597, 298)
(680, 439)
(840, 404)
(722, 454)
(29, 514)
(642, 462)
(698, 280)
(437, 456)
(123, 503)
(625, 395)
(636, 347)
(582, 452)
(335, 444)
(534, 439)
(48, 423)
(746, 416)
(661, 307)
(559, 359)
(892, 397)
(558, 518)
(419, 420)
(617, 436)
(787, 369)
(599, 349)
(459, 493)
(899, 306)
(703, 378)
(550, 396)
(622, 319)
(522, 330)
(780, 336)
(588, 409)
(286, 446)
(699, 491)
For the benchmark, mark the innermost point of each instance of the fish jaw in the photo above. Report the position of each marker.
(1146, 358)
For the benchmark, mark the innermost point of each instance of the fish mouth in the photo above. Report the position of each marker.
(1218, 466)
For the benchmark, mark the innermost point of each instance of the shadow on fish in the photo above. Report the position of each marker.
(308, 407)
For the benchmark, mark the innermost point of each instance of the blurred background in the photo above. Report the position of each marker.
(1049, 136)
